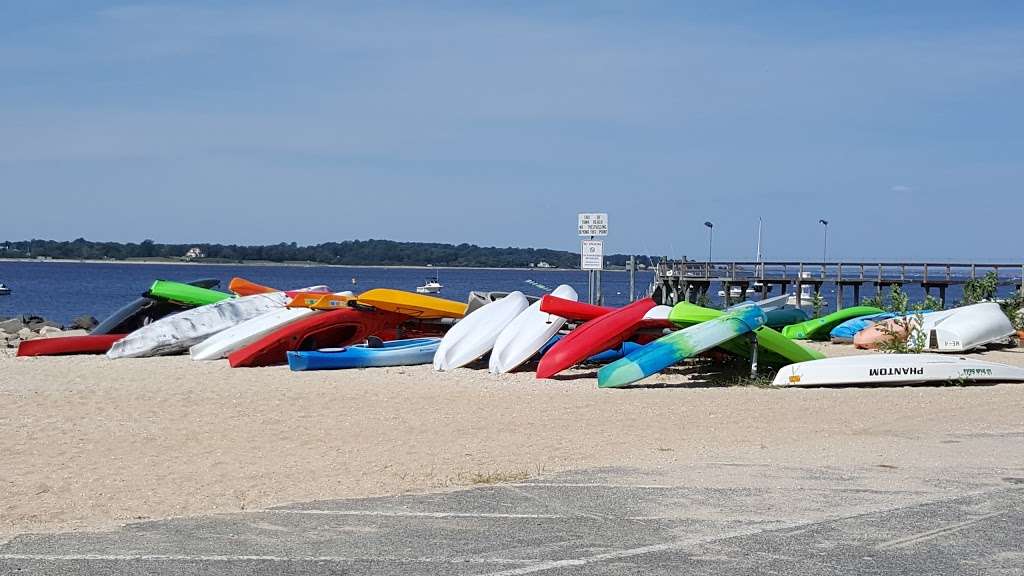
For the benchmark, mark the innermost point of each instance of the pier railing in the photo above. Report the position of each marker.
(687, 280)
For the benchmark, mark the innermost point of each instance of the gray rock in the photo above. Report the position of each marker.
(36, 326)
(12, 325)
(49, 331)
(85, 322)
(25, 333)
(75, 332)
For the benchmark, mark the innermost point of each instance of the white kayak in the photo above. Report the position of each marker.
(895, 369)
(527, 334)
(659, 312)
(965, 328)
(222, 344)
(175, 334)
(773, 303)
(474, 335)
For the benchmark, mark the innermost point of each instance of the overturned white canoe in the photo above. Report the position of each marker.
(965, 328)
(527, 333)
(474, 335)
(895, 369)
(222, 344)
(175, 334)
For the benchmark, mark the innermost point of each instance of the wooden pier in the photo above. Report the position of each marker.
(691, 281)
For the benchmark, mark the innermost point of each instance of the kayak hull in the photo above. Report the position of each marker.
(185, 293)
(820, 327)
(327, 329)
(895, 369)
(177, 333)
(395, 353)
(222, 344)
(143, 311)
(412, 304)
(527, 334)
(475, 335)
(602, 333)
(967, 328)
(774, 349)
(69, 345)
(678, 346)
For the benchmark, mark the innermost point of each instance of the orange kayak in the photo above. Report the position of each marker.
(873, 336)
(244, 287)
(319, 300)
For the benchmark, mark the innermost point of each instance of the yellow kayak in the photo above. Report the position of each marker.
(412, 304)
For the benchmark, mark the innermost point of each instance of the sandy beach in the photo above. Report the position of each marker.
(89, 443)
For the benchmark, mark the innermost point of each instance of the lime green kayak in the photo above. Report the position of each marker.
(185, 293)
(820, 327)
(774, 349)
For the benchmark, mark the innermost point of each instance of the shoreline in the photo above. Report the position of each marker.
(296, 265)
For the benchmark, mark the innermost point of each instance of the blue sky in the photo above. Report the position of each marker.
(495, 123)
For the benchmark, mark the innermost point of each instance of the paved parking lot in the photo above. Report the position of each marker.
(764, 520)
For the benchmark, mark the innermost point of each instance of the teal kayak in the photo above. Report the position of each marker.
(781, 317)
(774, 349)
(680, 345)
(820, 327)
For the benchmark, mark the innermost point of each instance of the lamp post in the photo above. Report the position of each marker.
(711, 237)
(824, 250)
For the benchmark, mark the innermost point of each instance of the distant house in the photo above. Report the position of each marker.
(543, 264)
(194, 253)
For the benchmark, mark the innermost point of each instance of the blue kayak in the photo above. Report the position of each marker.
(393, 353)
(847, 330)
(601, 357)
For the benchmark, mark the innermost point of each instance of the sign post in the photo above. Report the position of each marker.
(590, 224)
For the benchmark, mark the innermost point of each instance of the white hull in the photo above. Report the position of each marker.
(659, 312)
(527, 333)
(895, 369)
(966, 328)
(222, 344)
(769, 304)
(175, 334)
(474, 335)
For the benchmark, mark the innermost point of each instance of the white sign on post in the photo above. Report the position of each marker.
(593, 224)
(592, 255)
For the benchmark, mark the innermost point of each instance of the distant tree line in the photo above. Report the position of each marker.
(350, 252)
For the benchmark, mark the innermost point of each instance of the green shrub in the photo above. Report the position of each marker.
(980, 289)
(1013, 307)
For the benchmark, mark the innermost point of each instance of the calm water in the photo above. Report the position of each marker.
(63, 290)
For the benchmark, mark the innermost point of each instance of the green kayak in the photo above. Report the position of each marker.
(185, 293)
(774, 349)
(820, 327)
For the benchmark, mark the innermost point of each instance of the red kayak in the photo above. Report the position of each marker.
(571, 309)
(583, 312)
(67, 345)
(605, 332)
(329, 329)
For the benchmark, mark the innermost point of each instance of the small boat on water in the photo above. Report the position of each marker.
(4, 290)
(431, 286)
